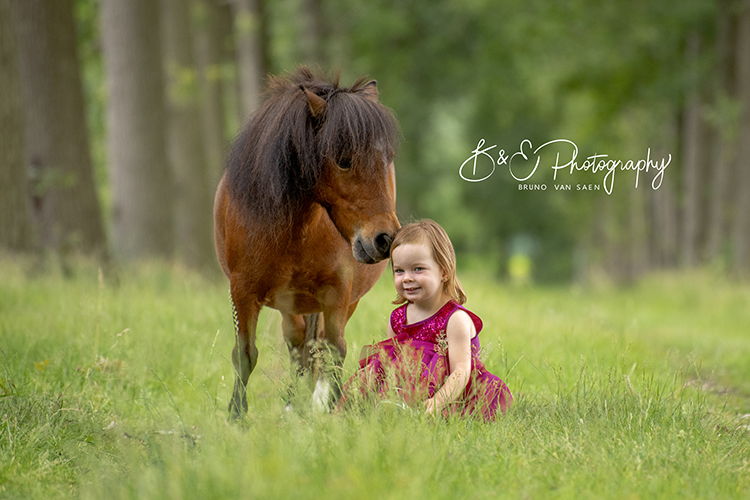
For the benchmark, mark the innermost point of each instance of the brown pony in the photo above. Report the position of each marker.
(304, 216)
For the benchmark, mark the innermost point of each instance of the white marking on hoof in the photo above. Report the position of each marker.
(322, 395)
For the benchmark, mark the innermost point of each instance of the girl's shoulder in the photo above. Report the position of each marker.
(463, 317)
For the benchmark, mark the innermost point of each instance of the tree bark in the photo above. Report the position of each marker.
(65, 202)
(664, 236)
(187, 154)
(249, 36)
(16, 230)
(694, 147)
(312, 33)
(725, 136)
(741, 229)
(142, 189)
(638, 230)
(210, 43)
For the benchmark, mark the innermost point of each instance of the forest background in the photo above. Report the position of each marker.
(115, 116)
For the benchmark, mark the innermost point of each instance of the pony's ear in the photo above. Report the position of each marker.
(370, 89)
(316, 103)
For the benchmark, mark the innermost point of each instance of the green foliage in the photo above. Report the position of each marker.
(120, 391)
(612, 77)
(458, 72)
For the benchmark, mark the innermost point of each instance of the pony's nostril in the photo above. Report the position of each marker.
(383, 243)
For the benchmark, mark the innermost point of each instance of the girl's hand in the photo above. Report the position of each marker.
(430, 406)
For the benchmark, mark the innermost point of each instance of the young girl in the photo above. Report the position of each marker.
(432, 350)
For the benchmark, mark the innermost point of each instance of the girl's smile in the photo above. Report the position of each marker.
(417, 277)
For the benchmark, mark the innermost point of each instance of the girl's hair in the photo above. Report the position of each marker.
(428, 232)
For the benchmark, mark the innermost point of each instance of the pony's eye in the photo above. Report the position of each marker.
(345, 163)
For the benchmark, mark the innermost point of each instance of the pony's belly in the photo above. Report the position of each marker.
(295, 303)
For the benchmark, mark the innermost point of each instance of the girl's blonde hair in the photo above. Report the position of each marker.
(428, 232)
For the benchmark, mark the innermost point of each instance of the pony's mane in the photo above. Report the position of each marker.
(278, 158)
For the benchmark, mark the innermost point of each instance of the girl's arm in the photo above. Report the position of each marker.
(459, 332)
(391, 333)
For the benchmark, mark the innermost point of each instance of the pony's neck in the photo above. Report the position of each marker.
(299, 222)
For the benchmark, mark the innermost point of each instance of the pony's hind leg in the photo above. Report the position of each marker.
(245, 353)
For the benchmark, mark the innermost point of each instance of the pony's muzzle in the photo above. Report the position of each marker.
(383, 244)
(371, 251)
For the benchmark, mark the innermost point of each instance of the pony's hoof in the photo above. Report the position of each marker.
(236, 411)
(321, 398)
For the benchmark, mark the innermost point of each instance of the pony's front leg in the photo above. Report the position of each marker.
(330, 379)
(300, 336)
(293, 328)
(244, 354)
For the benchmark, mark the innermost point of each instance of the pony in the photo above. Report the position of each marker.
(304, 216)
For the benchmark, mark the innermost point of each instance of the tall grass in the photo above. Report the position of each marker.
(120, 391)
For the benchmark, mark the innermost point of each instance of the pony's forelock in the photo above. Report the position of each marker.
(278, 158)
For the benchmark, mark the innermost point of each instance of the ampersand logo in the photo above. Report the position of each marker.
(522, 162)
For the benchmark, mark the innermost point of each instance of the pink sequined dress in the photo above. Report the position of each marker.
(414, 363)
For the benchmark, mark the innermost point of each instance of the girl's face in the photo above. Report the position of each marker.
(418, 278)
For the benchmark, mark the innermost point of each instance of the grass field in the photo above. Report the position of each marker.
(120, 391)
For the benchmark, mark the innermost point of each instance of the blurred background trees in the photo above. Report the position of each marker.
(115, 115)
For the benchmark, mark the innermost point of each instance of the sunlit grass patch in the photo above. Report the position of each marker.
(120, 391)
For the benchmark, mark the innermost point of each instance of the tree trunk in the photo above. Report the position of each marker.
(211, 40)
(664, 208)
(311, 36)
(638, 231)
(16, 230)
(139, 171)
(66, 206)
(193, 213)
(249, 36)
(694, 147)
(725, 136)
(741, 227)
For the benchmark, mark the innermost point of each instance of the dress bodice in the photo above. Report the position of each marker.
(433, 328)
